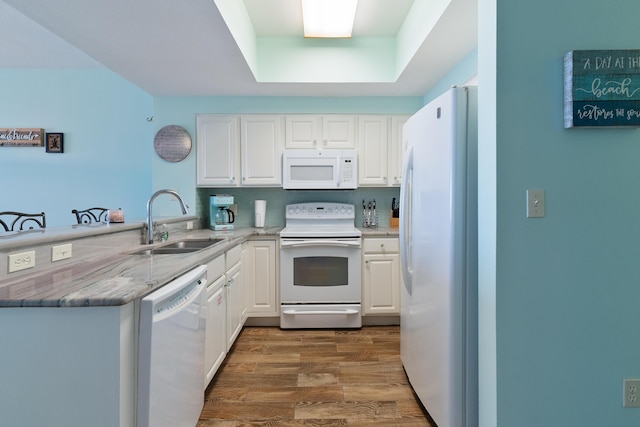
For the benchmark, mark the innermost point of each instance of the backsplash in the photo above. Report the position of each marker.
(278, 198)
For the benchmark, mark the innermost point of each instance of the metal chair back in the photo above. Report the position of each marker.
(19, 221)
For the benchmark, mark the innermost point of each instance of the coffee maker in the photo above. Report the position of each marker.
(220, 216)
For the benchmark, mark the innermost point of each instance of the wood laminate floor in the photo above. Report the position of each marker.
(275, 377)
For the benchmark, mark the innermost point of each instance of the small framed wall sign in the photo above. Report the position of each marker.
(602, 88)
(21, 137)
(55, 142)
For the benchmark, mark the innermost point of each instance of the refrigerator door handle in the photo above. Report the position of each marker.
(405, 220)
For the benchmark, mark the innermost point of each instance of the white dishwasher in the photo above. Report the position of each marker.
(171, 353)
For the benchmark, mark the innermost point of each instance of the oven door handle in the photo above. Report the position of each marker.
(312, 243)
(347, 311)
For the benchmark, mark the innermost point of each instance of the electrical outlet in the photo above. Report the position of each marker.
(189, 225)
(631, 393)
(22, 261)
(60, 252)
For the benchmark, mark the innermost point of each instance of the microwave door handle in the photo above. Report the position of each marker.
(312, 243)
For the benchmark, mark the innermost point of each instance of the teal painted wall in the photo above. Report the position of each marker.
(107, 143)
(566, 286)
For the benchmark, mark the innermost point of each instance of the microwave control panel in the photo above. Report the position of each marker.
(348, 171)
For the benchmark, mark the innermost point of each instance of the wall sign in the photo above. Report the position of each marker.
(602, 88)
(32, 137)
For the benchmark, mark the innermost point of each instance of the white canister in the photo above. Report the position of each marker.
(261, 209)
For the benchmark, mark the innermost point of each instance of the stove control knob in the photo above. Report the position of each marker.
(349, 210)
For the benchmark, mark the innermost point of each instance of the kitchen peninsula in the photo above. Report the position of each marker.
(69, 329)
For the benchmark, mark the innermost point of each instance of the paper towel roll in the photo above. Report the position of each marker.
(261, 209)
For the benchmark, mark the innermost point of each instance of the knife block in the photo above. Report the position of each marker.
(393, 222)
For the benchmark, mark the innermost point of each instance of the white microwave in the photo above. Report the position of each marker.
(311, 169)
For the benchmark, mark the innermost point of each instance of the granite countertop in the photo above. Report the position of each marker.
(117, 278)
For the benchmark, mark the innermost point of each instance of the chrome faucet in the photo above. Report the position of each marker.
(183, 205)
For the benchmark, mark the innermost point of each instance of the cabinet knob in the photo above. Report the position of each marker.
(366, 262)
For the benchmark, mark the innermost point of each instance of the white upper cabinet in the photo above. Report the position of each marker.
(261, 150)
(217, 150)
(246, 150)
(373, 151)
(303, 131)
(320, 131)
(396, 149)
(239, 150)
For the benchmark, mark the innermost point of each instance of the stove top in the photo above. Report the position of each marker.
(320, 219)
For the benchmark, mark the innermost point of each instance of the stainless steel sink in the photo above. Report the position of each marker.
(179, 247)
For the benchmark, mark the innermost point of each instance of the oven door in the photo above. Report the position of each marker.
(322, 270)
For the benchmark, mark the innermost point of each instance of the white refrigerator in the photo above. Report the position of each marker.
(438, 251)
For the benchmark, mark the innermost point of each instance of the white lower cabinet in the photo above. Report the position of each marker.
(225, 308)
(381, 276)
(260, 275)
(234, 294)
(215, 348)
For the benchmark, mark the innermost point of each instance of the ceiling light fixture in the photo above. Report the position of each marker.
(328, 18)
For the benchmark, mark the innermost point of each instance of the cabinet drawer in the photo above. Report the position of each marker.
(385, 245)
(233, 256)
(215, 268)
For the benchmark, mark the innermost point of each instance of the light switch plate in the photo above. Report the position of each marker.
(535, 203)
(60, 252)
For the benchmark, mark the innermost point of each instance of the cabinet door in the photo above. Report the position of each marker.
(338, 131)
(234, 305)
(303, 131)
(396, 150)
(381, 284)
(260, 279)
(262, 142)
(215, 348)
(217, 150)
(372, 151)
